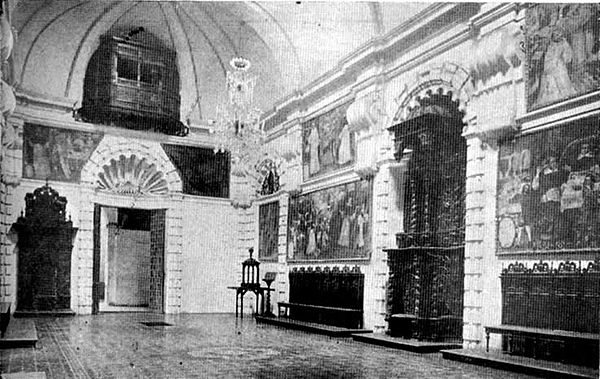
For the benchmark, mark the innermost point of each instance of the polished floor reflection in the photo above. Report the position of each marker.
(213, 346)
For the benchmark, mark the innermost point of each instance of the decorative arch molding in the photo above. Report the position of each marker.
(447, 79)
(129, 167)
(132, 176)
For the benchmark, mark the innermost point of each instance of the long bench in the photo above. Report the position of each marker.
(322, 314)
(562, 337)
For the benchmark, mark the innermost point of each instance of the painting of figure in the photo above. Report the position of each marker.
(562, 45)
(331, 223)
(328, 143)
(56, 154)
(268, 230)
(552, 202)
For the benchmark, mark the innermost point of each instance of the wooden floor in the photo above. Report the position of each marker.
(332, 331)
(413, 345)
(525, 365)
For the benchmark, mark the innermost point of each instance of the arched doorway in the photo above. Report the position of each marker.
(427, 269)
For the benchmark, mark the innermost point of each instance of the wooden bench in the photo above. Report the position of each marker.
(318, 308)
(560, 336)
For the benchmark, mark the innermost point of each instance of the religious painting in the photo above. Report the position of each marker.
(328, 144)
(56, 154)
(562, 46)
(333, 223)
(549, 190)
(268, 230)
(202, 171)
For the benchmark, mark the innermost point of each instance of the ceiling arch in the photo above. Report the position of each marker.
(289, 44)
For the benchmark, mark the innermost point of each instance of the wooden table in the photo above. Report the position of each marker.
(240, 291)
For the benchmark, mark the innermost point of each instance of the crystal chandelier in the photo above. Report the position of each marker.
(237, 129)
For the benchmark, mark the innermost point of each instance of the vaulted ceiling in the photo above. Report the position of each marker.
(290, 44)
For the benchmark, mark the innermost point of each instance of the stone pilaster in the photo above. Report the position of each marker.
(8, 261)
(246, 239)
(386, 224)
(474, 238)
(174, 259)
(281, 284)
(84, 260)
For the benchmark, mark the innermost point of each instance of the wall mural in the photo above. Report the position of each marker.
(549, 189)
(268, 230)
(327, 143)
(56, 154)
(202, 172)
(562, 43)
(332, 223)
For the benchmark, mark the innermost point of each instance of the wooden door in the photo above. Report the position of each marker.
(97, 286)
(157, 265)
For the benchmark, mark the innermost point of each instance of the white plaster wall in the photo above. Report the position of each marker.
(210, 259)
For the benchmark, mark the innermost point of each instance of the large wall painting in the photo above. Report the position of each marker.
(328, 144)
(56, 154)
(549, 190)
(202, 171)
(268, 230)
(562, 43)
(334, 223)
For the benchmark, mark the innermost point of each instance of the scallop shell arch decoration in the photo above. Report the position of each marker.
(132, 176)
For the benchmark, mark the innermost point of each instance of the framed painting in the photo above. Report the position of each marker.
(203, 172)
(327, 143)
(562, 52)
(549, 190)
(56, 154)
(268, 230)
(333, 223)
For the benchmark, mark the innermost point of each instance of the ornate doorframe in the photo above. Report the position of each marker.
(453, 80)
(125, 173)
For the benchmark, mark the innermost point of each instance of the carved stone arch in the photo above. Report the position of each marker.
(446, 79)
(128, 167)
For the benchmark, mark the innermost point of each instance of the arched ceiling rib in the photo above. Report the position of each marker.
(88, 45)
(289, 44)
(47, 23)
(187, 103)
(81, 43)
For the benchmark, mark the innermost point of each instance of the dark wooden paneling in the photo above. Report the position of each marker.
(329, 288)
(45, 245)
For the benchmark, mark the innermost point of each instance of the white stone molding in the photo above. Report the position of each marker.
(448, 78)
(7, 39)
(367, 112)
(127, 187)
(497, 42)
(148, 154)
(10, 139)
(132, 176)
(330, 180)
(445, 79)
(489, 135)
(12, 151)
(367, 149)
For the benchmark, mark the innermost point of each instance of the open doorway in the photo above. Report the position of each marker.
(128, 259)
